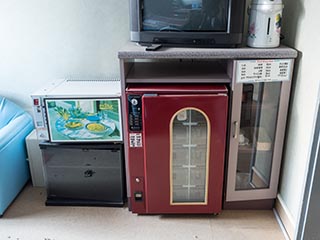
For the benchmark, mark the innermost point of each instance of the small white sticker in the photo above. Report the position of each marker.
(135, 139)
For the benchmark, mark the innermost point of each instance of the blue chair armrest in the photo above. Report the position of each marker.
(22, 123)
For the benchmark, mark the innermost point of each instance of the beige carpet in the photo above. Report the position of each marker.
(29, 219)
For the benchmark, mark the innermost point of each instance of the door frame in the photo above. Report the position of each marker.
(308, 227)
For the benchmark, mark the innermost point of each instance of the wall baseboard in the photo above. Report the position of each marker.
(285, 217)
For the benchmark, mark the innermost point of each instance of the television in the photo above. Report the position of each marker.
(192, 23)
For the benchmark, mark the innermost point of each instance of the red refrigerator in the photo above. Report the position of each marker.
(176, 147)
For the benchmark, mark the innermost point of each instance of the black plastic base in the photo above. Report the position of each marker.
(82, 202)
(265, 204)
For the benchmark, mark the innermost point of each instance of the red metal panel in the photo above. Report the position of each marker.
(137, 182)
(157, 113)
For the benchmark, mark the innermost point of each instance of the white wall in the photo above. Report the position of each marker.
(301, 24)
(41, 40)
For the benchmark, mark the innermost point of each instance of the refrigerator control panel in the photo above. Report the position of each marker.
(135, 112)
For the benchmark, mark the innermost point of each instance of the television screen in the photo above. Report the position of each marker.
(185, 15)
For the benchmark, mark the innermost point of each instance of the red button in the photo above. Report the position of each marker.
(36, 101)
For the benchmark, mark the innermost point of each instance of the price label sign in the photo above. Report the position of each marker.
(268, 70)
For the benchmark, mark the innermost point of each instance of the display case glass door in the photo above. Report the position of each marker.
(256, 139)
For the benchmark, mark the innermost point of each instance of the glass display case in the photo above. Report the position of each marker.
(256, 139)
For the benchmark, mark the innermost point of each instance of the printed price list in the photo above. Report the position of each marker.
(271, 70)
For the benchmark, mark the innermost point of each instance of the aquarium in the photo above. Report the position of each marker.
(86, 120)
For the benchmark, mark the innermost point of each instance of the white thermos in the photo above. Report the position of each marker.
(264, 23)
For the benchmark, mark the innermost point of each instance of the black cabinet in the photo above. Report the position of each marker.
(84, 174)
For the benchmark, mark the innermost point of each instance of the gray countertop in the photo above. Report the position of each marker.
(135, 51)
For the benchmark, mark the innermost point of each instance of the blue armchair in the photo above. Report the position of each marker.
(15, 125)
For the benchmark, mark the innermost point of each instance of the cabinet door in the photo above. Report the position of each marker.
(184, 141)
(83, 173)
(256, 139)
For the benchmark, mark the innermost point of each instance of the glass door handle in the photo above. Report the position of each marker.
(235, 129)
